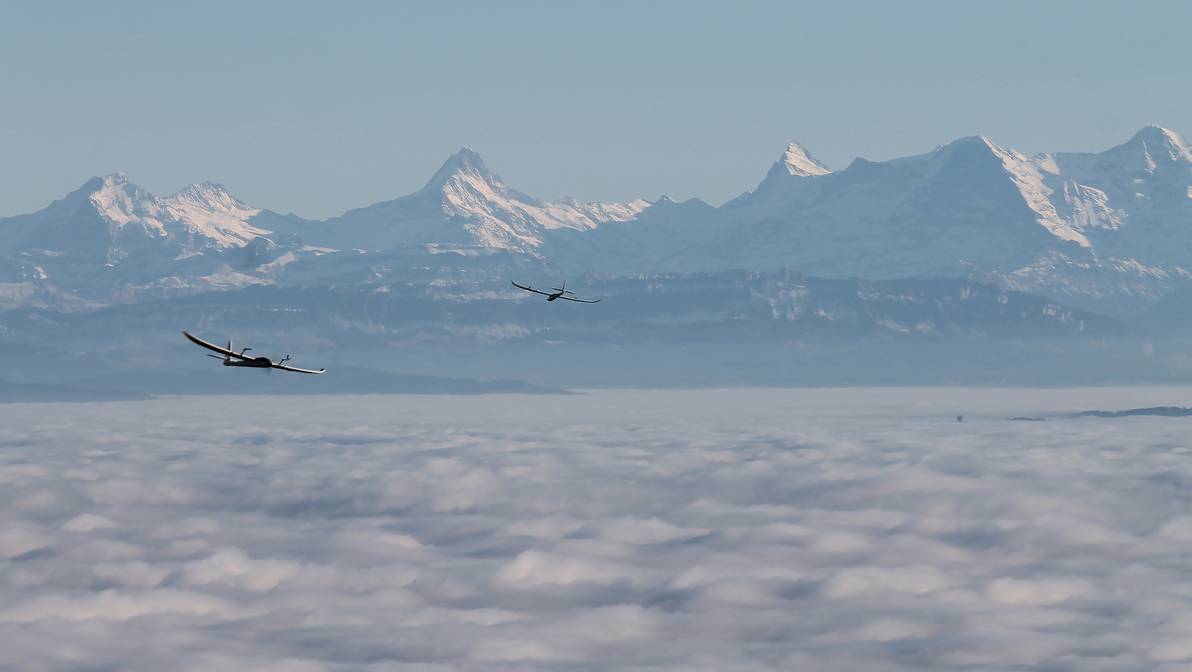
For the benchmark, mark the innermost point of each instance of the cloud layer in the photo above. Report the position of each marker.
(742, 530)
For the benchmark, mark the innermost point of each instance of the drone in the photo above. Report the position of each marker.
(557, 293)
(232, 358)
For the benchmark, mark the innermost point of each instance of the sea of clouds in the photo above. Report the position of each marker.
(712, 530)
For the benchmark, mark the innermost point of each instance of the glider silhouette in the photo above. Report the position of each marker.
(557, 293)
(232, 358)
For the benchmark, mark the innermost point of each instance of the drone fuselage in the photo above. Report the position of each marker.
(254, 363)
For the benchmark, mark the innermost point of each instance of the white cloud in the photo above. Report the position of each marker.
(863, 581)
(1039, 592)
(1178, 529)
(637, 531)
(88, 522)
(15, 541)
(536, 569)
(737, 529)
(119, 606)
(232, 566)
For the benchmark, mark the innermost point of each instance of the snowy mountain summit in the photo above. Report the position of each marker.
(790, 173)
(798, 161)
(466, 204)
(109, 214)
(1161, 146)
(112, 240)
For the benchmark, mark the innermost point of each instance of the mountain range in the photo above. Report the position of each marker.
(970, 262)
(1108, 231)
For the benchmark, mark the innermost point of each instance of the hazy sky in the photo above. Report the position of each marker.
(316, 108)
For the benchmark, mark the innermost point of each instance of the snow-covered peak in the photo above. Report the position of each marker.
(207, 210)
(209, 194)
(120, 202)
(468, 158)
(464, 162)
(467, 188)
(980, 147)
(466, 203)
(1122, 197)
(1151, 150)
(785, 176)
(115, 179)
(1027, 176)
(1160, 143)
(977, 143)
(799, 162)
(200, 215)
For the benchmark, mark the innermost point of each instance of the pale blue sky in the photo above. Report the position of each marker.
(319, 107)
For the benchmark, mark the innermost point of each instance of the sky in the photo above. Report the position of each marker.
(315, 108)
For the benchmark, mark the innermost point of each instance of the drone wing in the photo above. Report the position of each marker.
(295, 369)
(530, 289)
(568, 298)
(211, 346)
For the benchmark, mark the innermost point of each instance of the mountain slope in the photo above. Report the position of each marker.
(970, 204)
(966, 206)
(1133, 200)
